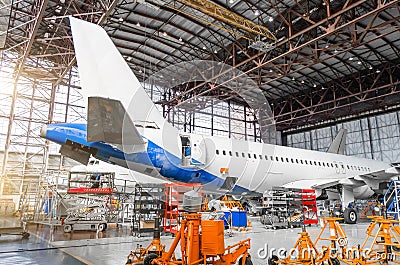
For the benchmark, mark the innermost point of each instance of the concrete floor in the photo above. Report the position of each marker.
(112, 247)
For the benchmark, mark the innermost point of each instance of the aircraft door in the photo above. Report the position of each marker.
(198, 151)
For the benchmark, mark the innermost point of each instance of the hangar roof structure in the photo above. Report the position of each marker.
(315, 60)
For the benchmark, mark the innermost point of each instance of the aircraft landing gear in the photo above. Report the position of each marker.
(350, 216)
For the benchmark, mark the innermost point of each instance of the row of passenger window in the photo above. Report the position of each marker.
(292, 160)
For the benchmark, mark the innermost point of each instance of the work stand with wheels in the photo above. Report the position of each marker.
(284, 208)
(88, 198)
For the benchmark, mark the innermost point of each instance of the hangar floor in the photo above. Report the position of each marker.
(112, 247)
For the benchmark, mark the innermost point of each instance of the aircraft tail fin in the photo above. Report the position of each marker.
(110, 87)
(339, 143)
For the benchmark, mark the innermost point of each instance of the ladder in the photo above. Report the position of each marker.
(392, 199)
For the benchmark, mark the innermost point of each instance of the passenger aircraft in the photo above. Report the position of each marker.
(125, 128)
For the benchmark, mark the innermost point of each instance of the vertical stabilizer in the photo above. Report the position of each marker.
(339, 143)
(105, 75)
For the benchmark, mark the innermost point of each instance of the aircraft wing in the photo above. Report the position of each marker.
(372, 179)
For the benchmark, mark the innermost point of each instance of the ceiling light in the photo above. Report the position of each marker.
(62, 1)
(138, 24)
(279, 74)
(359, 62)
(335, 51)
(204, 47)
(140, 70)
(378, 71)
(270, 19)
(370, 67)
(293, 78)
(270, 70)
(215, 51)
(257, 12)
(302, 81)
(231, 1)
(180, 39)
(121, 19)
(351, 59)
(326, 46)
(323, 88)
(165, 33)
(314, 85)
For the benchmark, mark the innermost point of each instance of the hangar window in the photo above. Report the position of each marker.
(224, 152)
(217, 152)
(230, 153)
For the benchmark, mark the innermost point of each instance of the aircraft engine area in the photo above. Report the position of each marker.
(189, 132)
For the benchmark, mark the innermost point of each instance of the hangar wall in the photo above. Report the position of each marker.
(376, 137)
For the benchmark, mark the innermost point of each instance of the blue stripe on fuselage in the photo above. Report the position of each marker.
(156, 156)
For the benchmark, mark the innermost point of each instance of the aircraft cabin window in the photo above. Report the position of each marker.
(230, 153)
(266, 157)
(217, 152)
(323, 164)
(255, 156)
(319, 163)
(224, 152)
(243, 155)
(297, 161)
(282, 159)
(306, 162)
(331, 164)
(315, 163)
(348, 167)
(301, 161)
(287, 160)
(292, 160)
(249, 155)
(237, 154)
(260, 156)
(276, 158)
(272, 158)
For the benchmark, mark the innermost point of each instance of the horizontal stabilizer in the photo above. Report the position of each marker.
(108, 122)
(77, 152)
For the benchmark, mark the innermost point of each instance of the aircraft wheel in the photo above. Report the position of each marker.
(101, 227)
(246, 262)
(149, 258)
(350, 216)
(67, 228)
(334, 261)
(273, 260)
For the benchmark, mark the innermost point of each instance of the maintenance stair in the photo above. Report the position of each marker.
(391, 199)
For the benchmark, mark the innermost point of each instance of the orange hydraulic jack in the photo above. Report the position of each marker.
(206, 247)
(384, 246)
(153, 250)
(305, 251)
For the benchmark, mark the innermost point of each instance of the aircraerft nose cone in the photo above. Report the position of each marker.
(43, 131)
